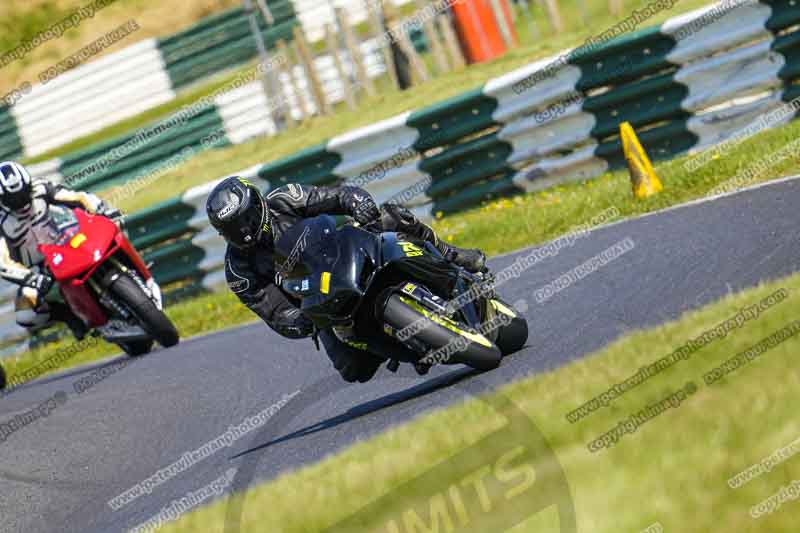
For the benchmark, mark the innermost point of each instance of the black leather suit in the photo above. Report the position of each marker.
(251, 273)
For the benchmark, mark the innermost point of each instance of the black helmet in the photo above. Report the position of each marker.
(238, 212)
(15, 186)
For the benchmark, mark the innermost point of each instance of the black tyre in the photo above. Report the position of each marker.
(3, 381)
(153, 321)
(513, 336)
(439, 332)
(137, 348)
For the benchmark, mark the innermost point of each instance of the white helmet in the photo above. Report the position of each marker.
(15, 186)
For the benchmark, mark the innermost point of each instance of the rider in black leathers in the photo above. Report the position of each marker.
(251, 223)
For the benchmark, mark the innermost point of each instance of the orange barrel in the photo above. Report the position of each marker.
(478, 30)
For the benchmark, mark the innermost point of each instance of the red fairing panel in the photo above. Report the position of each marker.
(66, 262)
(83, 303)
(138, 263)
(73, 263)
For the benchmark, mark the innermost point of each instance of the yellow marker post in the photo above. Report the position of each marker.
(644, 181)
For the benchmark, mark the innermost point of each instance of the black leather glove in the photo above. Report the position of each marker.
(292, 324)
(41, 282)
(362, 207)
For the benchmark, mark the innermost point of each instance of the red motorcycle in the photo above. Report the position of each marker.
(105, 282)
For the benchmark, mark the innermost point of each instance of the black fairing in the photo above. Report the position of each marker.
(360, 266)
(429, 269)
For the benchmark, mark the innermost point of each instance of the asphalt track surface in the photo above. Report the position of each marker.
(58, 473)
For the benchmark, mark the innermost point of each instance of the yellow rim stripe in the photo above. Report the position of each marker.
(499, 306)
(447, 323)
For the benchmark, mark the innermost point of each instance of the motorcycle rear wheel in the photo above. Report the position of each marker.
(149, 317)
(439, 332)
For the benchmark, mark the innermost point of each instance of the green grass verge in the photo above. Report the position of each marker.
(672, 470)
(511, 223)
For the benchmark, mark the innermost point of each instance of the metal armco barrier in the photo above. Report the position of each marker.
(137, 78)
(237, 112)
(149, 73)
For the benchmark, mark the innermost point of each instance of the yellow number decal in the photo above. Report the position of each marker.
(325, 283)
(77, 240)
(410, 249)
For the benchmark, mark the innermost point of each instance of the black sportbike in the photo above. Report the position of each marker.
(396, 297)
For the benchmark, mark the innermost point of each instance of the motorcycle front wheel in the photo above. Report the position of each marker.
(513, 335)
(149, 317)
(137, 348)
(447, 340)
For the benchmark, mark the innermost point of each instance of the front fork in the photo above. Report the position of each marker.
(150, 288)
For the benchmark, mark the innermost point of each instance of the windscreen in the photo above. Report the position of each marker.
(59, 226)
(308, 248)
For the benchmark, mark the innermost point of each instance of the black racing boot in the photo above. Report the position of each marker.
(398, 218)
(470, 259)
